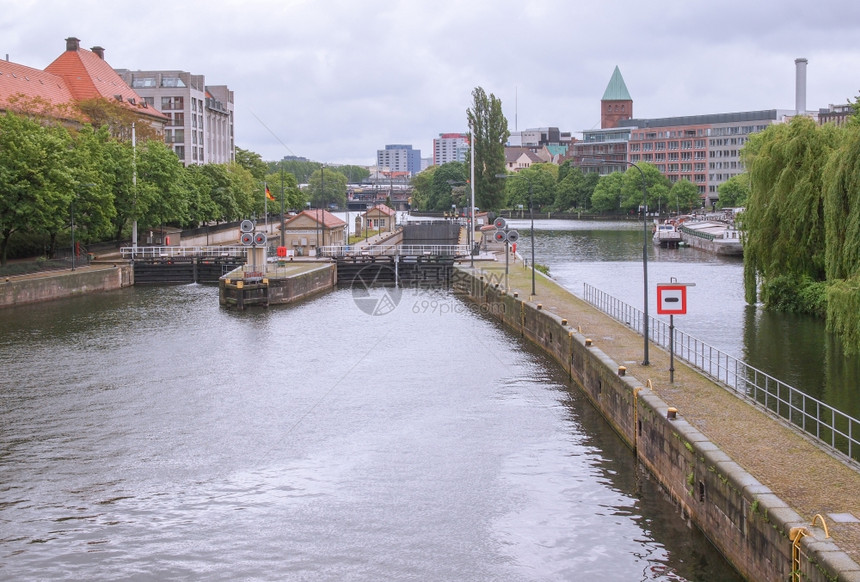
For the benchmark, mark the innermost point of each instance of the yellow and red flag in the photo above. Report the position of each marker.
(269, 194)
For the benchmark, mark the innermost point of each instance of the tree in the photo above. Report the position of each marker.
(734, 191)
(574, 189)
(421, 184)
(158, 171)
(354, 174)
(326, 187)
(607, 193)
(91, 166)
(540, 179)
(488, 135)
(36, 187)
(656, 187)
(783, 223)
(684, 195)
(445, 179)
(252, 162)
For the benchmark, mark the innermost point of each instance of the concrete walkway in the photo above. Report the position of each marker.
(798, 471)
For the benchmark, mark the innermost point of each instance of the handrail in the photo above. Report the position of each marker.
(390, 250)
(829, 426)
(147, 252)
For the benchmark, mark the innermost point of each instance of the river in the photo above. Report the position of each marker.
(796, 349)
(148, 434)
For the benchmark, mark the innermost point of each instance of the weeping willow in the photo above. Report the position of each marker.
(784, 219)
(842, 216)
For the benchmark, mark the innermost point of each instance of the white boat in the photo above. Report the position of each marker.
(666, 235)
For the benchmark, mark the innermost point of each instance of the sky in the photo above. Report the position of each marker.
(336, 80)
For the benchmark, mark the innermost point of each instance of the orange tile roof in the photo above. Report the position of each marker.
(381, 209)
(328, 219)
(89, 76)
(21, 81)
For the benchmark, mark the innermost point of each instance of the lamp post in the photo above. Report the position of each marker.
(366, 219)
(532, 218)
(72, 209)
(645, 331)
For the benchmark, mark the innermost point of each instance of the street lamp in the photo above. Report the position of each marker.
(72, 209)
(645, 360)
(366, 218)
(532, 218)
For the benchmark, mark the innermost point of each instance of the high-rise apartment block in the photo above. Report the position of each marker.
(200, 117)
(450, 147)
(399, 158)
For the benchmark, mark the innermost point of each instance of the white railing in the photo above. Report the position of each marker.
(831, 427)
(169, 252)
(391, 250)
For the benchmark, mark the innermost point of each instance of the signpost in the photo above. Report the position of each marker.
(671, 301)
(508, 237)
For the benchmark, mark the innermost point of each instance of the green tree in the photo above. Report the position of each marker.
(540, 179)
(488, 135)
(354, 174)
(446, 180)
(421, 188)
(607, 193)
(158, 173)
(656, 187)
(36, 187)
(326, 187)
(91, 165)
(783, 223)
(734, 191)
(683, 196)
(574, 189)
(252, 162)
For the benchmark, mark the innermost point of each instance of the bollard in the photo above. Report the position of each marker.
(564, 322)
(540, 306)
(622, 370)
(588, 342)
(672, 413)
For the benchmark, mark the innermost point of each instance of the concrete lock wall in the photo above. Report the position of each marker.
(60, 285)
(744, 519)
(301, 286)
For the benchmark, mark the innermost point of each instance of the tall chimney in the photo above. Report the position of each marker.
(73, 44)
(99, 51)
(800, 86)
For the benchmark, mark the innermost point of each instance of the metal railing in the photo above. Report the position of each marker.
(391, 250)
(169, 252)
(829, 426)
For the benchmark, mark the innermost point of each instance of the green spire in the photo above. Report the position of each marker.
(616, 90)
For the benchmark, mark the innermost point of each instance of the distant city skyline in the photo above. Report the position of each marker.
(335, 82)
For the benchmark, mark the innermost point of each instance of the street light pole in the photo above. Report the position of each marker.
(73, 232)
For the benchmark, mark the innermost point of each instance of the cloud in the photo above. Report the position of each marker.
(336, 80)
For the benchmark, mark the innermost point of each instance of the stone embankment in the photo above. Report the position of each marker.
(776, 505)
(46, 286)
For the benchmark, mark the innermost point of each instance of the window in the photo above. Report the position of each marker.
(172, 82)
(142, 82)
(180, 152)
(177, 118)
(172, 103)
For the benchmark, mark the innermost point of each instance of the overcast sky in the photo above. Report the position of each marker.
(335, 80)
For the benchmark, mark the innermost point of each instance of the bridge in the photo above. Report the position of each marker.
(395, 264)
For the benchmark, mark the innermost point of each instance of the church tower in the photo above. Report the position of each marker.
(616, 103)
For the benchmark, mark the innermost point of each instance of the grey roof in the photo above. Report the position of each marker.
(616, 90)
(740, 116)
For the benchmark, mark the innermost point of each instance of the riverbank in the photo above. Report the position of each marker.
(50, 285)
(746, 479)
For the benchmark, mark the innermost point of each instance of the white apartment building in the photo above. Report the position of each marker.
(450, 147)
(200, 118)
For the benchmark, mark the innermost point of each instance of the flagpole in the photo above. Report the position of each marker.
(266, 205)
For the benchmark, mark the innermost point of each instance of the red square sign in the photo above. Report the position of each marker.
(671, 299)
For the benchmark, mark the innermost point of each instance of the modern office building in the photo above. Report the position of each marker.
(200, 117)
(450, 147)
(399, 158)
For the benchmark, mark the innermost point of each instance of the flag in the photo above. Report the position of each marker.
(269, 194)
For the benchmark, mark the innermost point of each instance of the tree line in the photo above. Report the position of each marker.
(565, 188)
(51, 173)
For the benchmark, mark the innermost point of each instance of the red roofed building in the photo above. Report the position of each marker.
(380, 217)
(76, 76)
(311, 229)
